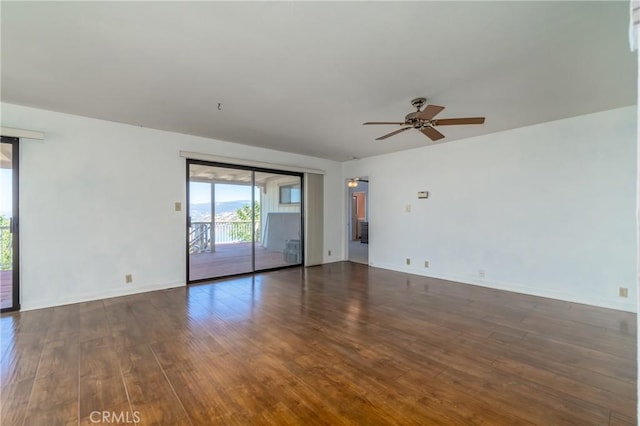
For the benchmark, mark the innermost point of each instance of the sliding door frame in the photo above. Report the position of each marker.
(253, 171)
(15, 222)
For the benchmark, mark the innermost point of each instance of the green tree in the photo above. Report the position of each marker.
(6, 249)
(242, 231)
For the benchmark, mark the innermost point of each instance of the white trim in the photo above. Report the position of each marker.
(241, 162)
(99, 295)
(22, 134)
(515, 288)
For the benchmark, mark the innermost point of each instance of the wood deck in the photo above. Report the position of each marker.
(338, 344)
(231, 259)
(6, 289)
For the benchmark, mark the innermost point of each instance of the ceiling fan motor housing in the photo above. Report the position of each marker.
(423, 120)
(412, 118)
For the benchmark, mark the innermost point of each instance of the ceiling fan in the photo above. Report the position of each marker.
(424, 121)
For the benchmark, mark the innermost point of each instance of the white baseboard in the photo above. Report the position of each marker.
(519, 288)
(87, 297)
(327, 261)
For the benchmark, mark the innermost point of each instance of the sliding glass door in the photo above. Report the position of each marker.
(241, 220)
(9, 271)
(279, 211)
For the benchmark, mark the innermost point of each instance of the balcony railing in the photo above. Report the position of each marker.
(200, 236)
(6, 260)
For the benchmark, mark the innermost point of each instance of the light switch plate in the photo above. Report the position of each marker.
(178, 206)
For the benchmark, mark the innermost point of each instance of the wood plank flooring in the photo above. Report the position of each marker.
(339, 344)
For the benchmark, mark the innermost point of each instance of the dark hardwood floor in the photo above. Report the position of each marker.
(335, 344)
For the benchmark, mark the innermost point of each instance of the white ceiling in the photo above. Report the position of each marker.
(303, 76)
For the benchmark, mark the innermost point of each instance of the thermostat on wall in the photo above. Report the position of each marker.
(423, 194)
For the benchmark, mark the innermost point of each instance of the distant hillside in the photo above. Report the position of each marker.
(201, 212)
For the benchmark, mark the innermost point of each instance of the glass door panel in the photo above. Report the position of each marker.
(241, 220)
(278, 220)
(9, 283)
(220, 226)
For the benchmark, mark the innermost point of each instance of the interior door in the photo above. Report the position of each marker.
(358, 220)
(9, 241)
(354, 218)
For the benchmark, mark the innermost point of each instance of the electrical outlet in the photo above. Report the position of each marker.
(426, 263)
(481, 273)
(329, 252)
(128, 278)
(623, 292)
(408, 261)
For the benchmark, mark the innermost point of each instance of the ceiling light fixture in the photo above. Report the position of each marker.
(352, 183)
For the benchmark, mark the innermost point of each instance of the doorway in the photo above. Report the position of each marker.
(358, 220)
(9, 239)
(241, 220)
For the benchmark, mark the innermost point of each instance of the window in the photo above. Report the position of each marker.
(290, 194)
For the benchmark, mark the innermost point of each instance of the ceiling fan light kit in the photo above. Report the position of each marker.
(423, 120)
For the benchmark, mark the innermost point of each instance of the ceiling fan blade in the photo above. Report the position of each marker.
(392, 133)
(452, 121)
(432, 133)
(384, 122)
(429, 112)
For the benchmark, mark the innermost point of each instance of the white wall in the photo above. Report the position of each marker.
(547, 210)
(97, 202)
